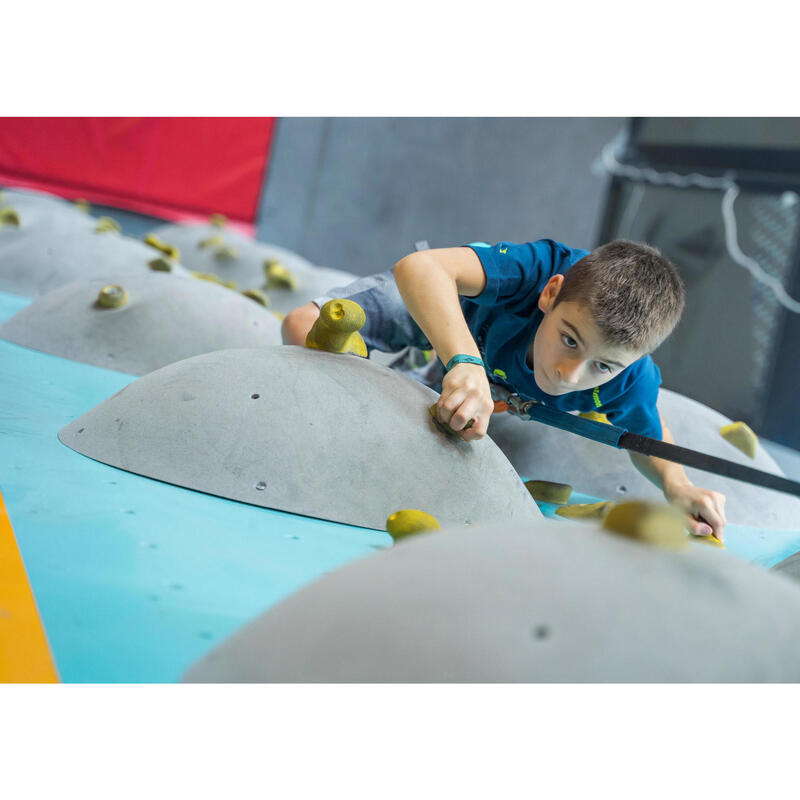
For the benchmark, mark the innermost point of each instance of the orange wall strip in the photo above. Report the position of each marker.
(24, 653)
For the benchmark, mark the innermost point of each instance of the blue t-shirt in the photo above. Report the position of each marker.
(504, 318)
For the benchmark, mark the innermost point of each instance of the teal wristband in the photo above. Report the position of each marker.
(460, 358)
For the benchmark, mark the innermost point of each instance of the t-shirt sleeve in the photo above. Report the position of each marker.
(517, 273)
(635, 408)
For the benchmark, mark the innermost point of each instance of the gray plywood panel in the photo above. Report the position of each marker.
(247, 268)
(38, 264)
(356, 193)
(541, 602)
(315, 433)
(40, 213)
(165, 319)
(543, 453)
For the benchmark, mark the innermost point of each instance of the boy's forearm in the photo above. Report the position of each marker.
(431, 297)
(666, 475)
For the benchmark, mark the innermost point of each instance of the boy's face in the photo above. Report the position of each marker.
(569, 352)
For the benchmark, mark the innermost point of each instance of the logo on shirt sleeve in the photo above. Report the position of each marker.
(503, 249)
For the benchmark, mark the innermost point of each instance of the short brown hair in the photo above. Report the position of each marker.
(633, 292)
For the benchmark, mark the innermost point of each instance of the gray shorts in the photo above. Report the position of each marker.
(389, 327)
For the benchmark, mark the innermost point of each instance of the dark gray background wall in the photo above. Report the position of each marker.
(356, 193)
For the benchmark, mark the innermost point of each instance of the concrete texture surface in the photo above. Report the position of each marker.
(315, 433)
(165, 319)
(247, 269)
(539, 452)
(40, 263)
(540, 602)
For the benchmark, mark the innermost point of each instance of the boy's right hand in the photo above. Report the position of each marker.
(466, 396)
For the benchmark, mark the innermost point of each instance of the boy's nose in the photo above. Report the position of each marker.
(569, 371)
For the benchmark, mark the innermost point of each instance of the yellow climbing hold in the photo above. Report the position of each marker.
(226, 253)
(549, 492)
(256, 294)
(278, 277)
(596, 416)
(445, 427)
(218, 220)
(653, 523)
(106, 224)
(410, 521)
(212, 278)
(160, 264)
(9, 218)
(741, 435)
(167, 249)
(211, 241)
(82, 205)
(585, 510)
(712, 540)
(278, 314)
(336, 328)
(112, 296)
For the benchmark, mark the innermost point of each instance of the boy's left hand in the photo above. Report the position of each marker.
(705, 508)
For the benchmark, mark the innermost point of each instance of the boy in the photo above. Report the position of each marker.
(563, 326)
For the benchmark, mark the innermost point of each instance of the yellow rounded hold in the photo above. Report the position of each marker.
(278, 277)
(548, 492)
(336, 328)
(709, 540)
(226, 253)
(112, 296)
(655, 524)
(212, 278)
(106, 224)
(211, 241)
(9, 218)
(160, 264)
(256, 294)
(410, 521)
(167, 249)
(585, 510)
(741, 436)
(218, 220)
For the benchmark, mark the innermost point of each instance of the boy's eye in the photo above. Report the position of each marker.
(601, 367)
(568, 341)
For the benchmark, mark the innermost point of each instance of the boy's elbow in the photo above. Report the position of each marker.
(405, 265)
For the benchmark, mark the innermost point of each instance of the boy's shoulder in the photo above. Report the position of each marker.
(542, 252)
(515, 270)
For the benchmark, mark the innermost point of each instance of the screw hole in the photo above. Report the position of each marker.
(541, 632)
(260, 486)
(255, 396)
(81, 430)
(622, 489)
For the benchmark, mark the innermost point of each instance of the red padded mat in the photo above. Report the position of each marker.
(179, 168)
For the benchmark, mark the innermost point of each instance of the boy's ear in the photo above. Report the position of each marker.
(548, 296)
